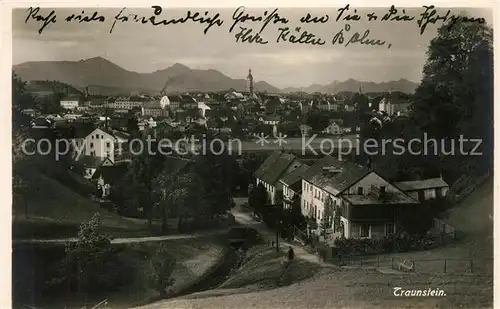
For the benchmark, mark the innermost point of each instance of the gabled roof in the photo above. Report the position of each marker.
(295, 175)
(337, 182)
(421, 184)
(267, 164)
(152, 105)
(91, 161)
(276, 168)
(111, 174)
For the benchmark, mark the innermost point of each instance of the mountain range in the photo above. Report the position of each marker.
(102, 75)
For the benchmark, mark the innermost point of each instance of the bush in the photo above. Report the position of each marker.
(163, 265)
(384, 245)
(90, 263)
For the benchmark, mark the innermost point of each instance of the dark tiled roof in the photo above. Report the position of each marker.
(335, 183)
(174, 98)
(111, 174)
(421, 184)
(267, 164)
(91, 161)
(295, 175)
(372, 199)
(152, 105)
(278, 167)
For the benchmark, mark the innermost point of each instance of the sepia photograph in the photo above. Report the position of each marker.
(252, 157)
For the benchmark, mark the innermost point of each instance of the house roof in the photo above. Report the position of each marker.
(421, 184)
(91, 161)
(267, 164)
(111, 174)
(272, 118)
(338, 182)
(279, 166)
(295, 175)
(373, 198)
(152, 105)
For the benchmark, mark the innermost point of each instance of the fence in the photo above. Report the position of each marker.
(456, 266)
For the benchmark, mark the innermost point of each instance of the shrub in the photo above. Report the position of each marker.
(384, 245)
(90, 263)
(163, 264)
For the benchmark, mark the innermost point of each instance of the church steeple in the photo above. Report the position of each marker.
(250, 81)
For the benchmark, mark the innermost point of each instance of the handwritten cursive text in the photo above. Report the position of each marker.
(195, 17)
(304, 37)
(239, 16)
(34, 14)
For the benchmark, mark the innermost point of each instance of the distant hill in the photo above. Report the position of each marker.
(352, 85)
(42, 88)
(104, 77)
(99, 72)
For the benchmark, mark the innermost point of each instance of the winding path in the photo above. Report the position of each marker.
(127, 240)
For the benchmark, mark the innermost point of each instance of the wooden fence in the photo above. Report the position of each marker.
(455, 266)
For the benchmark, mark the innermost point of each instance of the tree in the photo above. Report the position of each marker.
(456, 92)
(257, 198)
(163, 264)
(179, 195)
(89, 256)
(317, 120)
(21, 100)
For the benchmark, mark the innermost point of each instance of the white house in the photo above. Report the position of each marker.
(70, 102)
(394, 107)
(270, 172)
(366, 203)
(103, 144)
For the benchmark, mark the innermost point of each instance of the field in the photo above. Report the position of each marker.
(31, 266)
(56, 211)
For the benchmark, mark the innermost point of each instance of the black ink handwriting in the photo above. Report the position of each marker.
(364, 40)
(195, 17)
(392, 15)
(430, 16)
(348, 17)
(309, 19)
(82, 18)
(33, 13)
(372, 16)
(239, 16)
(305, 37)
(247, 35)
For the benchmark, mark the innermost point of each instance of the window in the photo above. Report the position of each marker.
(364, 230)
(389, 229)
(108, 144)
(91, 145)
(382, 189)
(360, 190)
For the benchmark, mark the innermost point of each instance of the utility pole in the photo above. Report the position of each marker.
(277, 230)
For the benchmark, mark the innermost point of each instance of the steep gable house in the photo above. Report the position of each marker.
(270, 172)
(292, 185)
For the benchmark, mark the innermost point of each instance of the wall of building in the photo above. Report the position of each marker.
(100, 144)
(370, 180)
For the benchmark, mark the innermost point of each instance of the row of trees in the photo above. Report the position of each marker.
(454, 98)
(174, 187)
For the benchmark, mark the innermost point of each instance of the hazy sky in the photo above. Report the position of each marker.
(146, 48)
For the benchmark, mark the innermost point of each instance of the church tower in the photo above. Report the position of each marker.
(250, 82)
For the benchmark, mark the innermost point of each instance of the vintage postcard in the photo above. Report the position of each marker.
(252, 157)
